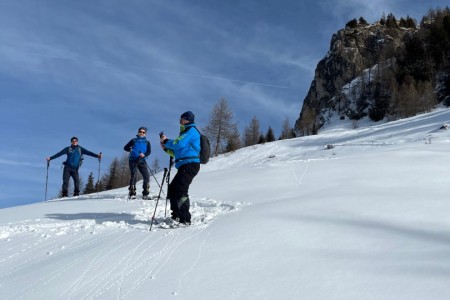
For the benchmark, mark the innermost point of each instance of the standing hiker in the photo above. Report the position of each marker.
(73, 162)
(185, 148)
(139, 149)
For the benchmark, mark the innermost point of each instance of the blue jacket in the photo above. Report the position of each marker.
(137, 146)
(186, 147)
(74, 154)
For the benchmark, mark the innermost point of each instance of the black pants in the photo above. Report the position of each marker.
(140, 165)
(178, 190)
(67, 173)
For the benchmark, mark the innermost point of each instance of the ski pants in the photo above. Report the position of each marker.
(67, 173)
(178, 191)
(140, 165)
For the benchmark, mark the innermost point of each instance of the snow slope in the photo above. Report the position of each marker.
(367, 219)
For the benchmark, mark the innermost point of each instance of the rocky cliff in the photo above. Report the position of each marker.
(352, 51)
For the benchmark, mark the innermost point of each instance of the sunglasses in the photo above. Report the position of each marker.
(140, 131)
(73, 141)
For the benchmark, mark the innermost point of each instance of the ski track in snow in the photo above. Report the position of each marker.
(68, 238)
(46, 278)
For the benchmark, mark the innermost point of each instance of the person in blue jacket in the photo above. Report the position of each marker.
(185, 149)
(139, 149)
(73, 162)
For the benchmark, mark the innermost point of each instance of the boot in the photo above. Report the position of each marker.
(132, 191)
(145, 192)
(183, 206)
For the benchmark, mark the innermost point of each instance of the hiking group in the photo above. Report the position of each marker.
(185, 149)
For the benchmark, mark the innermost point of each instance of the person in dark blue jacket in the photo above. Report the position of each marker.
(73, 162)
(185, 149)
(139, 149)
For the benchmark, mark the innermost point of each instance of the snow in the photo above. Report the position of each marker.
(367, 219)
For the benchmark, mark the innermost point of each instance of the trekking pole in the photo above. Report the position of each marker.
(157, 200)
(153, 174)
(98, 177)
(46, 180)
(168, 182)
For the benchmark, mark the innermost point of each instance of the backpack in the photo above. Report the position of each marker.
(81, 155)
(205, 148)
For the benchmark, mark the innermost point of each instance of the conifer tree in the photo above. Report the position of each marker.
(270, 137)
(363, 21)
(113, 178)
(89, 188)
(352, 23)
(391, 21)
(261, 139)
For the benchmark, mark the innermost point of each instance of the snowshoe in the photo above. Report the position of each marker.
(170, 223)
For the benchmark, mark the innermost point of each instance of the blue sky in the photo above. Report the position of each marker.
(100, 69)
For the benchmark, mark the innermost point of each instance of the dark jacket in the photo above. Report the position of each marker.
(74, 154)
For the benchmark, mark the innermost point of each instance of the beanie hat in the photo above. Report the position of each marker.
(74, 138)
(142, 128)
(188, 116)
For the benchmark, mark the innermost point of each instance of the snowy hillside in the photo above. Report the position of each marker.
(365, 219)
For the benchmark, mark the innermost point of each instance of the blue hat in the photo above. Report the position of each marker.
(142, 128)
(188, 116)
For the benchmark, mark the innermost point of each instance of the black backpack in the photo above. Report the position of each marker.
(205, 148)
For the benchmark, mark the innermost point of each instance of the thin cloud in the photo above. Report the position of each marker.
(19, 163)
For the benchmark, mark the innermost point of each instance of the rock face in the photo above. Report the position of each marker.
(352, 50)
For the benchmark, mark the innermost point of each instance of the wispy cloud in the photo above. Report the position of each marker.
(20, 163)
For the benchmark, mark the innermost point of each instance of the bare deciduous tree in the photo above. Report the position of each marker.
(252, 133)
(220, 126)
(233, 140)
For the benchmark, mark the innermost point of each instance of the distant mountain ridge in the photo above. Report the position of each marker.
(391, 69)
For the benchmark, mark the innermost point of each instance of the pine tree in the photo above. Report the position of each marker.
(89, 188)
(270, 137)
(391, 21)
(113, 178)
(99, 186)
(363, 21)
(261, 139)
(352, 24)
